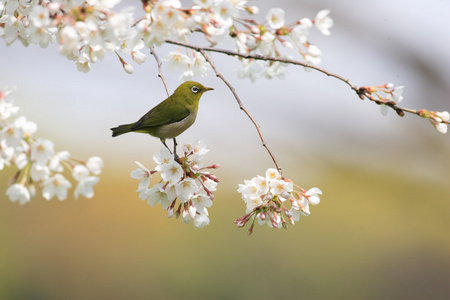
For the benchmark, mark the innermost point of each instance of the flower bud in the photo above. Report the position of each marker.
(307, 22)
(442, 128)
(138, 57)
(287, 44)
(268, 197)
(185, 217)
(255, 30)
(400, 112)
(285, 195)
(54, 7)
(242, 37)
(212, 177)
(170, 212)
(250, 230)
(262, 216)
(192, 211)
(253, 10)
(128, 68)
(240, 223)
(288, 213)
(274, 224)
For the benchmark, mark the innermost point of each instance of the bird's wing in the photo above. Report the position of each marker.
(151, 119)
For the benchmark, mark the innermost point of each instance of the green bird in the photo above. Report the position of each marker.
(171, 117)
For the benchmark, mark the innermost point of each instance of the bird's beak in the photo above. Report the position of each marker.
(208, 89)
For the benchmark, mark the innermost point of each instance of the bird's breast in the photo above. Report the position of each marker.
(174, 129)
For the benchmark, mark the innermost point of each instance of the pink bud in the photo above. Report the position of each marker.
(250, 230)
(262, 215)
(240, 223)
(170, 212)
(288, 213)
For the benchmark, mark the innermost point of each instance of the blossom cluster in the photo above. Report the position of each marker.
(36, 160)
(264, 39)
(388, 95)
(183, 179)
(266, 198)
(439, 119)
(220, 19)
(86, 30)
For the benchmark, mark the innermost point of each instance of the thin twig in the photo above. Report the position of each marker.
(362, 92)
(159, 63)
(263, 57)
(241, 106)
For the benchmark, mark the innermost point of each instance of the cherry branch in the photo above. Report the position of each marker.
(241, 106)
(159, 63)
(362, 92)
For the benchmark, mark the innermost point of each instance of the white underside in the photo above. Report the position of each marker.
(172, 130)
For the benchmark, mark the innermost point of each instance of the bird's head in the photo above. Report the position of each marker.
(191, 91)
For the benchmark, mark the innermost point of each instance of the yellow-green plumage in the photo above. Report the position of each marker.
(171, 117)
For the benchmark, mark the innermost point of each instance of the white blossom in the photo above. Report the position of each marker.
(323, 21)
(143, 174)
(205, 4)
(314, 55)
(55, 161)
(156, 194)
(171, 172)
(201, 220)
(177, 60)
(85, 182)
(39, 172)
(42, 151)
(275, 18)
(312, 195)
(95, 165)
(224, 12)
(186, 189)
(299, 34)
(56, 185)
(18, 192)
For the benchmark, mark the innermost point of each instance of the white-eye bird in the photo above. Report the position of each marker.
(171, 117)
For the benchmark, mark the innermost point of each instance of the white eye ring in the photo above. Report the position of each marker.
(195, 89)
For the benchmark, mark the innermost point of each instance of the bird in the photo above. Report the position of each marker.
(171, 117)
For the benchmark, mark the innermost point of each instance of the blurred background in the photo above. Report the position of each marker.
(381, 230)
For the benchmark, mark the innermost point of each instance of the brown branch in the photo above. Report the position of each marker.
(241, 106)
(362, 92)
(159, 63)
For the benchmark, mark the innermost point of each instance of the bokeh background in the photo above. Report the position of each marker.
(380, 232)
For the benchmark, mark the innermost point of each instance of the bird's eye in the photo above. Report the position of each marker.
(195, 89)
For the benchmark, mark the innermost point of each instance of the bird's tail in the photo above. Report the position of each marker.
(121, 129)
